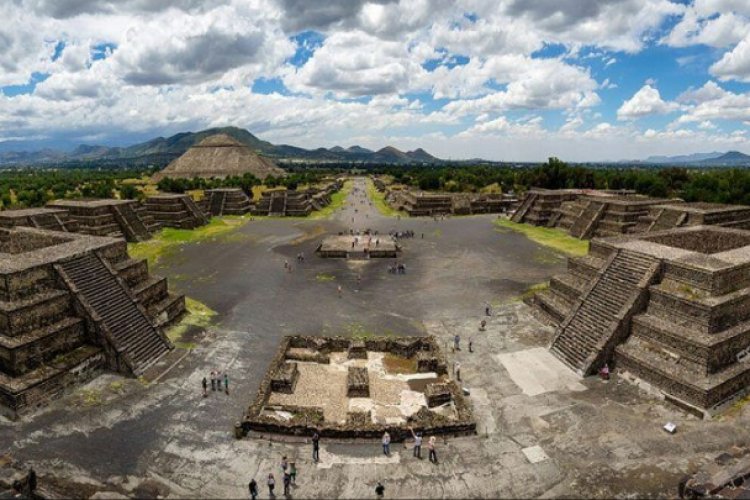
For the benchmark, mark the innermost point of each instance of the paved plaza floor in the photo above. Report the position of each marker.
(542, 431)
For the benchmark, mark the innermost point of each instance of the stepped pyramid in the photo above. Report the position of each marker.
(219, 156)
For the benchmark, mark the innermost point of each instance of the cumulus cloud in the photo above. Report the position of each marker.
(735, 64)
(647, 101)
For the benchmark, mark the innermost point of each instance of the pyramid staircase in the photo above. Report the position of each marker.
(130, 223)
(596, 324)
(525, 206)
(583, 226)
(125, 326)
(217, 203)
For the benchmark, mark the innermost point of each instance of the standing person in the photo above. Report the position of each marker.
(431, 447)
(339, 290)
(379, 490)
(287, 482)
(293, 473)
(458, 371)
(271, 485)
(31, 482)
(471, 344)
(417, 443)
(218, 380)
(316, 446)
(457, 342)
(253, 488)
(213, 380)
(284, 464)
(204, 383)
(386, 443)
(487, 310)
(226, 383)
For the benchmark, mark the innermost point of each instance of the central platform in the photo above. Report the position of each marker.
(358, 246)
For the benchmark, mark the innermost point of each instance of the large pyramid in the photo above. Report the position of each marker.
(219, 156)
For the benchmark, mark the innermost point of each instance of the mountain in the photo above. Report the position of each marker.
(729, 159)
(682, 158)
(162, 150)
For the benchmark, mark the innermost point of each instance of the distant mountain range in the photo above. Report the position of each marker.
(161, 150)
(728, 159)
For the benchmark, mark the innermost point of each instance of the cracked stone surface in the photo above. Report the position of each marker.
(164, 438)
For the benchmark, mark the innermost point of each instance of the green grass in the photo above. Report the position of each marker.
(549, 237)
(169, 239)
(378, 201)
(198, 315)
(533, 290)
(337, 201)
(324, 277)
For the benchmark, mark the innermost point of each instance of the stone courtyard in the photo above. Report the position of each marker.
(541, 430)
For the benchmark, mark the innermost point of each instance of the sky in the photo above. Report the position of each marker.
(513, 80)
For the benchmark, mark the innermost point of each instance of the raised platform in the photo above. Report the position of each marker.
(358, 247)
(109, 217)
(341, 396)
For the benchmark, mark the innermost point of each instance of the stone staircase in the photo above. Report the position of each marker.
(194, 210)
(583, 225)
(217, 203)
(133, 336)
(525, 206)
(130, 223)
(668, 219)
(589, 334)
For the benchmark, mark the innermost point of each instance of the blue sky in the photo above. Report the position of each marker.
(507, 80)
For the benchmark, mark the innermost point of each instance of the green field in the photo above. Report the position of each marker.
(378, 201)
(549, 237)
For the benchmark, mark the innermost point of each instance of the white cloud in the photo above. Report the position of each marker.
(711, 102)
(735, 64)
(647, 101)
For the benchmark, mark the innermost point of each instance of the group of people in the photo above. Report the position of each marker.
(403, 234)
(217, 377)
(397, 268)
(417, 449)
(289, 479)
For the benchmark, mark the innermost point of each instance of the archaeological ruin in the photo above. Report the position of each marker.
(108, 217)
(358, 247)
(347, 388)
(72, 305)
(292, 203)
(175, 210)
(226, 201)
(670, 308)
(54, 219)
(422, 203)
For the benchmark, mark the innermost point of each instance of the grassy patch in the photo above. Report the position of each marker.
(324, 277)
(533, 290)
(337, 201)
(168, 239)
(378, 201)
(396, 364)
(198, 315)
(550, 237)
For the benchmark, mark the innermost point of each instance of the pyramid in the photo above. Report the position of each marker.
(219, 156)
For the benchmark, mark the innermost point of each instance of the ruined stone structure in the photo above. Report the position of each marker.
(679, 214)
(355, 411)
(416, 203)
(539, 205)
(108, 217)
(670, 307)
(175, 210)
(227, 201)
(420, 203)
(358, 247)
(70, 306)
(54, 219)
(287, 202)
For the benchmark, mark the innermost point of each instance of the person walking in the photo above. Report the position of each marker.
(316, 447)
(271, 485)
(226, 383)
(287, 482)
(457, 342)
(204, 383)
(471, 344)
(218, 380)
(417, 443)
(431, 448)
(379, 490)
(213, 380)
(293, 473)
(457, 367)
(252, 486)
(487, 310)
(284, 464)
(339, 290)
(386, 443)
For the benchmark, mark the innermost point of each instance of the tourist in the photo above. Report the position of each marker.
(487, 310)
(604, 372)
(226, 383)
(31, 482)
(431, 448)
(471, 343)
(380, 490)
(284, 464)
(271, 485)
(253, 488)
(205, 387)
(339, 290)
(213, 380)
(286, 264)
(218, 380)
(316, 446)
(417, 443)
(482, 325)
(386, 443)
(457, 342)
(293, 473)
(457, 368)
(287, 482)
